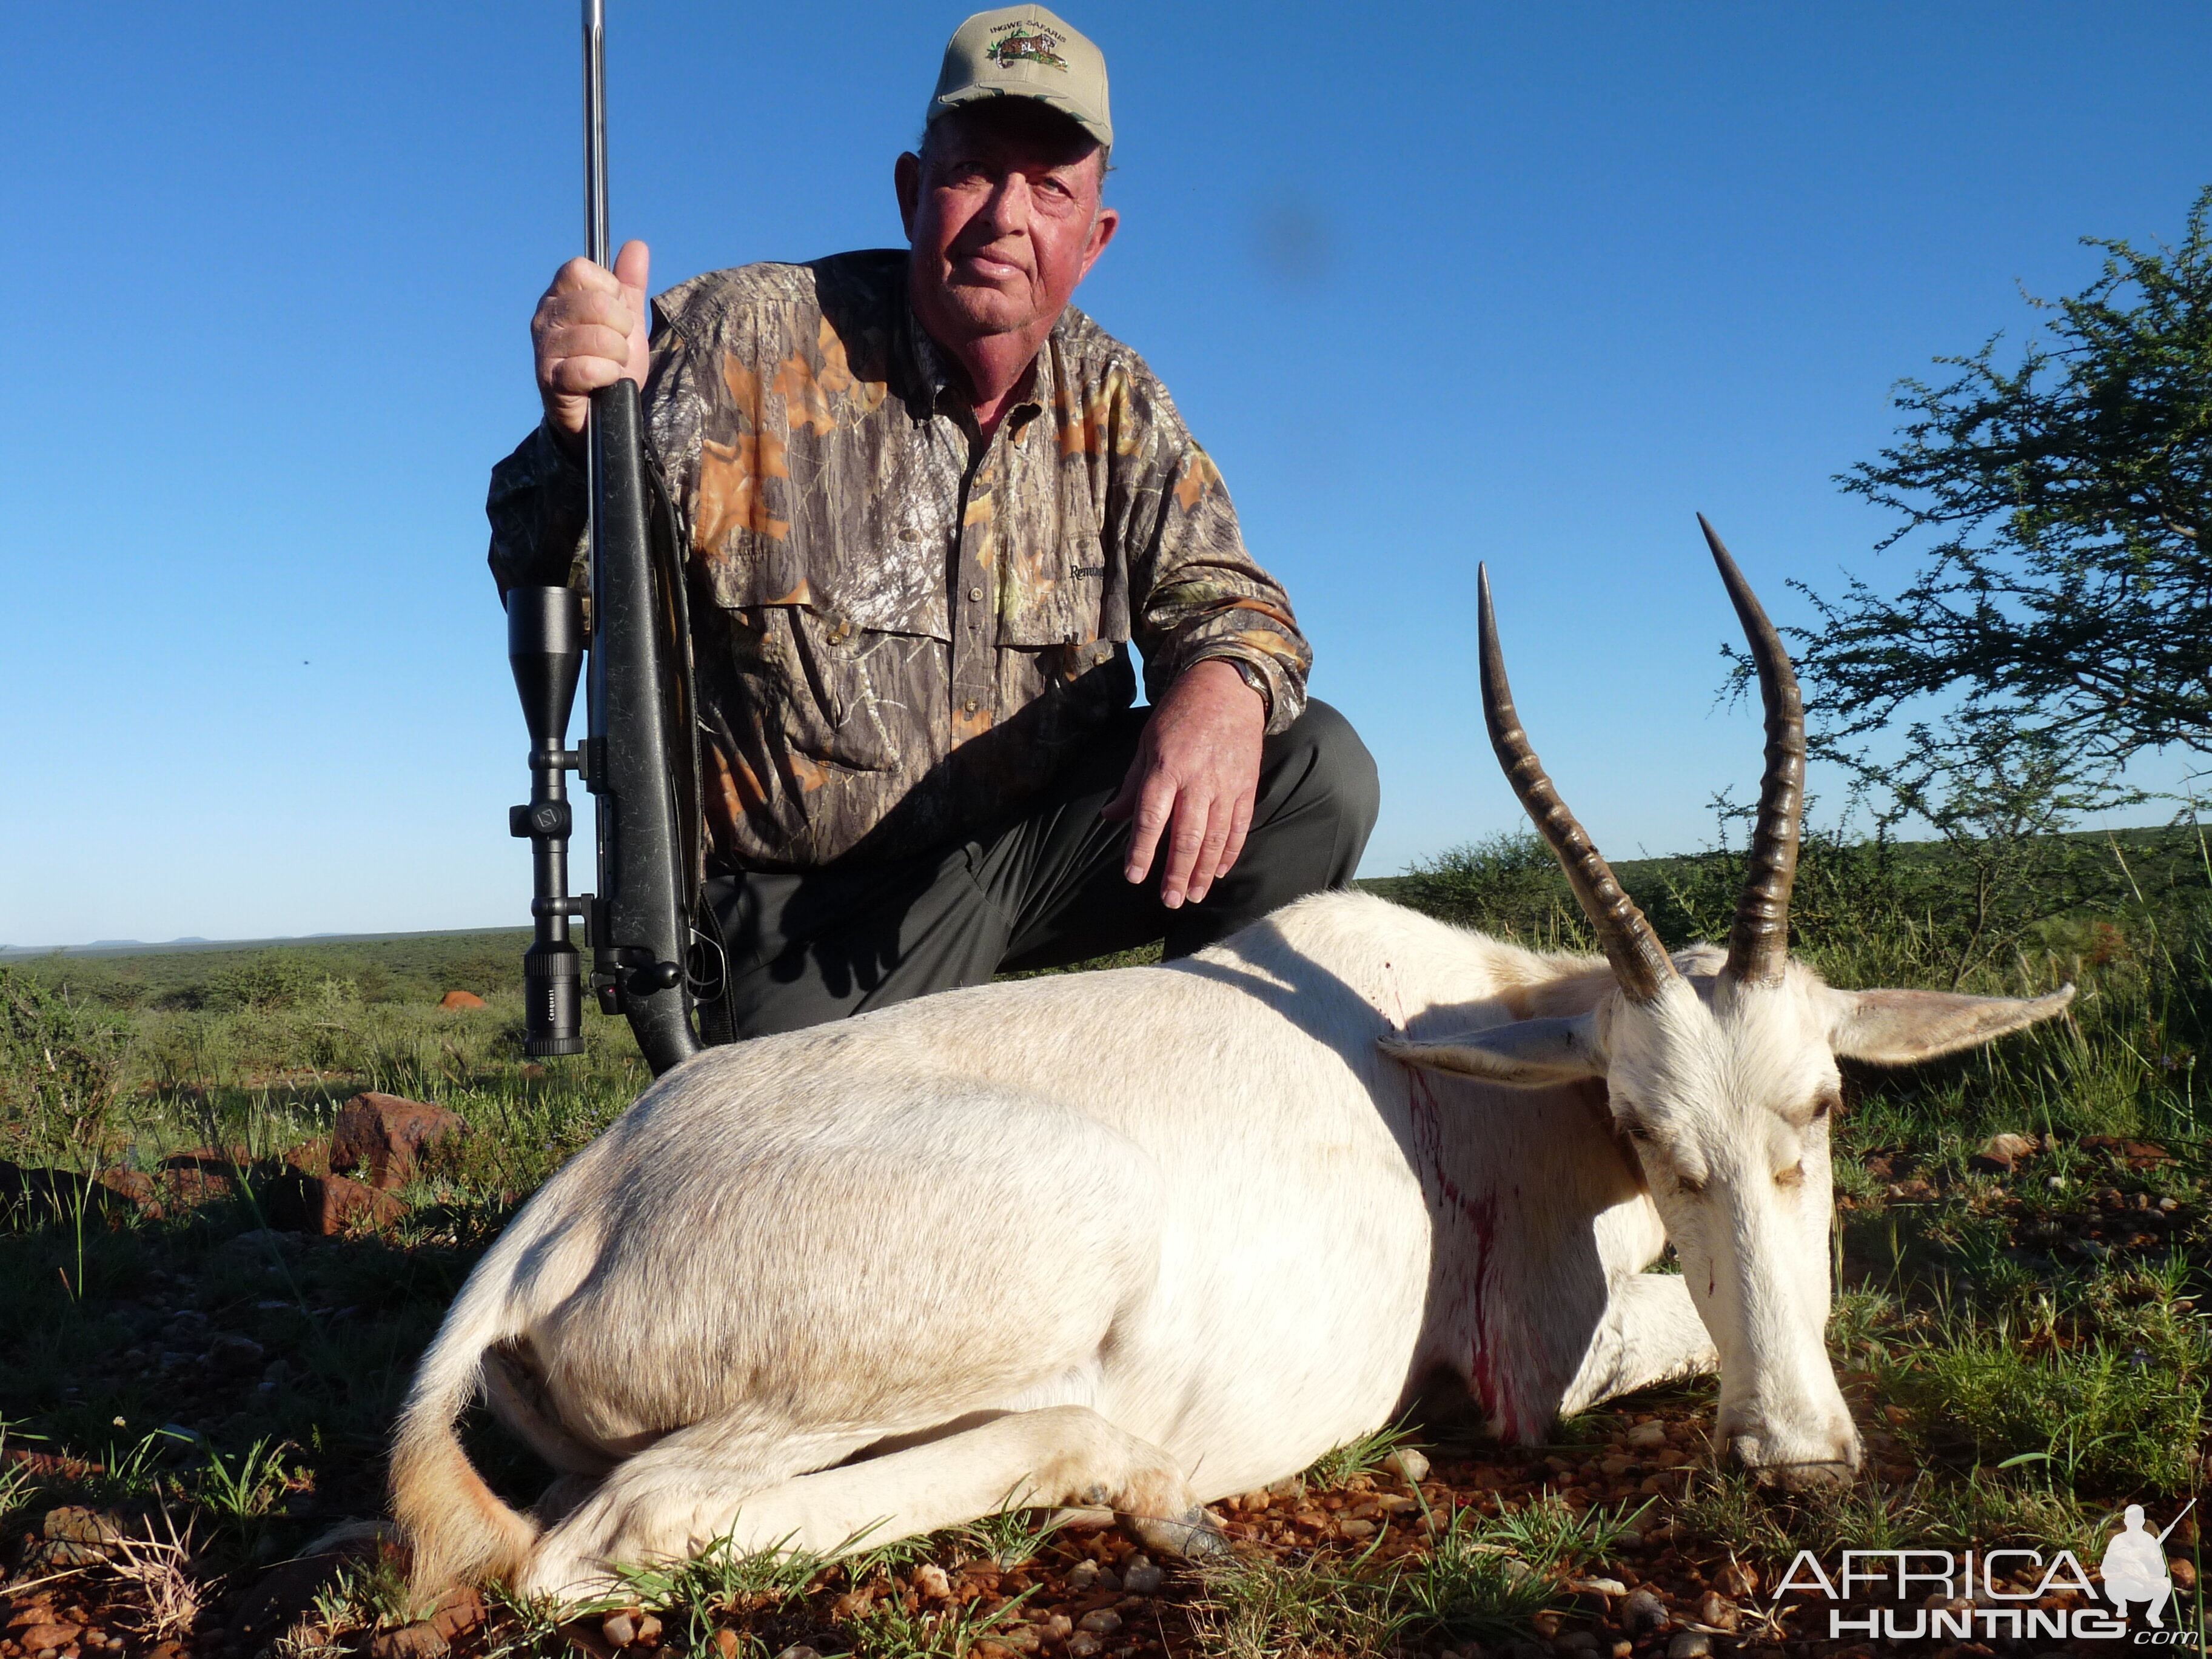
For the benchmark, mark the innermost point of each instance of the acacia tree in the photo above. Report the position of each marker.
(2064, 605)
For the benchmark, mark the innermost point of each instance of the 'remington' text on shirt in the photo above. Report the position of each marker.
(900, 632)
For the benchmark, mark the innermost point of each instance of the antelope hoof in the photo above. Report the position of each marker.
(1193, 1537)
(1805, 1477)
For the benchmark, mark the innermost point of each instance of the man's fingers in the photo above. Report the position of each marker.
(1186, 842)
(582, 276)
(1213, 855)
(587, 340)
(576, 377)
(1156, 800)
(1240, 825)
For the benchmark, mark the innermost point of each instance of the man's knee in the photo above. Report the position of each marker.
(1322, 752)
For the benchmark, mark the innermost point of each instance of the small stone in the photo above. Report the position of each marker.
(1083, 1575)
(416, 1641)
(930, 1580)
(2000, 1153)
(1100, 1621)
(619, 1628)
(337, 1204)
(1056, 1629)
(1600, 1587)
(1407, 1464)
(1717, 1610)
(1614, 1468)
(648, 1630)
(798, 1650)
(1083, 1644)
(1515, 1570)
(726, 1643)
(1143, 1578)
(1738, 1580)
(1643, 1612)
(1356, 1528)
(1622, 1647)
(40, 1638)
(1648, 1437)
(1575, 1641)
(1690, 1644)
(1021, 1638)
(2183, 1572)
(233, 1349)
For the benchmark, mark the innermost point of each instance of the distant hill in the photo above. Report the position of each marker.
(120, 947)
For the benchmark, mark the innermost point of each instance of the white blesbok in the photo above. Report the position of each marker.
(1143, 1238)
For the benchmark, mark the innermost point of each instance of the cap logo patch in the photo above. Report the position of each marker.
(1039, 45)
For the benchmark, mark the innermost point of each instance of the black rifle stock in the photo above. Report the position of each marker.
(638, 695)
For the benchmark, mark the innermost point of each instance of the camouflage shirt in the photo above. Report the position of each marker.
(899, 630)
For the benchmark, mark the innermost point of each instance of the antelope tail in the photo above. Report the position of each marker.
(456, 1527)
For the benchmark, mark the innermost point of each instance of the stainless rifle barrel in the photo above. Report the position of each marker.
(595, 134)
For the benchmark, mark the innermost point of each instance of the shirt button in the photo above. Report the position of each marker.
(976, 594)
(969, 707)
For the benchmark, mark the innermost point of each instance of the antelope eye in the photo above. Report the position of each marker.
(1822, 1107)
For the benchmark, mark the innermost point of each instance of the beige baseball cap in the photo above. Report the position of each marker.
(1024, 52)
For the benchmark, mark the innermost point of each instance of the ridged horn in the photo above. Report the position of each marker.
(1640, 961)
(1758, 942)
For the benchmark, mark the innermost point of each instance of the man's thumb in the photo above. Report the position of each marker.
(633, 267)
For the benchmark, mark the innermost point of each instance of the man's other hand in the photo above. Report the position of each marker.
(589, 332)
(1196, 771)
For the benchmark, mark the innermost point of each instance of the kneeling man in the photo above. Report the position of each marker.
(927, 505)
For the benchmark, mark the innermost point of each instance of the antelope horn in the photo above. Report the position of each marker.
(1640, 961)
(1758, 942)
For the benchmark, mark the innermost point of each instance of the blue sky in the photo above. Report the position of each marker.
(1435, 285)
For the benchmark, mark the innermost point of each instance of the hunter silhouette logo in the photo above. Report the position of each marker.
(1974, 1594)
(1040, 46)
(2134, 1567)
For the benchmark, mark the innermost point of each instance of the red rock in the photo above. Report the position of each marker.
(415, 1641)
(341, 1204)
(38, 1638)
(134, 1185)
(386, 1134)
(460, 999)
(458, 1611)
(311, 1158)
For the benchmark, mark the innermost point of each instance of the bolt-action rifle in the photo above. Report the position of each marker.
(640, 759)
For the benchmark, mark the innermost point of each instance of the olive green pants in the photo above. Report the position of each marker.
(1042, 891)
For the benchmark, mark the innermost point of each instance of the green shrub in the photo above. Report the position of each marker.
(61, 1068)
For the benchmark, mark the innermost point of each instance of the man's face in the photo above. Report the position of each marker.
(1004, 217)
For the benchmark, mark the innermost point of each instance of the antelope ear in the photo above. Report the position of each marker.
(1902, 1028)
(1529, 1053)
